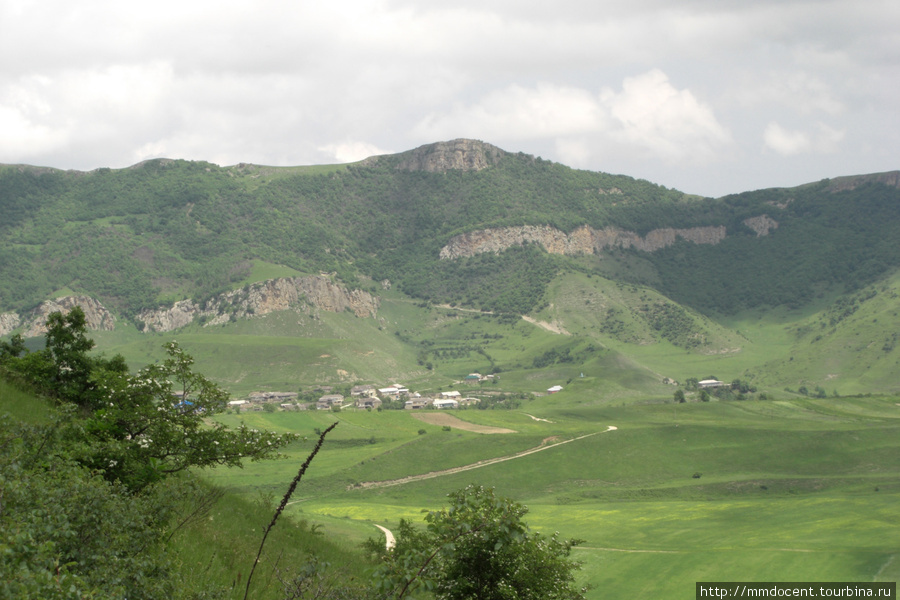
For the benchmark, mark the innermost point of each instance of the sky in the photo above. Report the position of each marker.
(710, 97)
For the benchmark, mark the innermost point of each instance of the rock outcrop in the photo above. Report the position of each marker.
(843, 184)
(307, 294)
(8, 322)
(455, 155)
(584, 240)
(761, 224)
(97, 317)
(295, 293)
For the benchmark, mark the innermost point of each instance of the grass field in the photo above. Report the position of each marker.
(789, 490)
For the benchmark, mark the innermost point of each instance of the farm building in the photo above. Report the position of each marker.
(326, 402)
(711, 383)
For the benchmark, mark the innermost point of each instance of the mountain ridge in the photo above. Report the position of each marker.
(171, 245)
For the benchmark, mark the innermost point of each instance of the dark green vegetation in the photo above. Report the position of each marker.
(68, 532)
(478, 548)
(164, 230)
(91, 496)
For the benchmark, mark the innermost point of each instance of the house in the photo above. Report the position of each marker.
(554, 389)
(711, 383)
(272, 396)
(329, 401)
(234, 403)
(416, 403)
(473, 378)
(470, 401)
(453, 394)
(442, 403)
(393, 390)
(362, 390)
(368, 402)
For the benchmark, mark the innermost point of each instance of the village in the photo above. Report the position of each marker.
(368, 397)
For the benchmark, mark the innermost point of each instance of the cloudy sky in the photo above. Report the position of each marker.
(707, 96)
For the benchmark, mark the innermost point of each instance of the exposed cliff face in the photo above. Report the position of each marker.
(761, 224)
(584, 240)
(308, 294)
(458, 155)
(296, 293)
(8, 322)
(842, 184)
(97, 317)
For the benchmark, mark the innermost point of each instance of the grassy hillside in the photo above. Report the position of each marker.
(619, 338)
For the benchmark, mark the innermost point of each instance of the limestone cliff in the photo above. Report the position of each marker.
(843, 184)
(308, 294)
(584, 240)
(97, 317)
(458, 155)
(295, 293)
(8, 322)
(761, 224)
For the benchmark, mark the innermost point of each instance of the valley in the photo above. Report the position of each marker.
(793, 489)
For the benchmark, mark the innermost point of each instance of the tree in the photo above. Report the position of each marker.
(477, 549)
(679, 397)
(67, 346)
(63, 369)
(13, 348)
(155, 422)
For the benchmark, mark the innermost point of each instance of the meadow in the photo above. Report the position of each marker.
(782, 490)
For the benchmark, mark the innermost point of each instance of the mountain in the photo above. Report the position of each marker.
(604, 261)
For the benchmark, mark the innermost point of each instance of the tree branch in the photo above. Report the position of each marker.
(284, 502)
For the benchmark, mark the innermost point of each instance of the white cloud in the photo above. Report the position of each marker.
(517, 112)
(665, 122)
(647, 117)
(351, 151)
(786, 142)
(790, 142)
(799, 91)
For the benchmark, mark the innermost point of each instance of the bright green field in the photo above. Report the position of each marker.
(789, 490)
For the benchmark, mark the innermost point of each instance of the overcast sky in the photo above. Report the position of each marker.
(707, 96)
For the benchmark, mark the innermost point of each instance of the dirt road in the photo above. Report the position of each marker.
(477, 465)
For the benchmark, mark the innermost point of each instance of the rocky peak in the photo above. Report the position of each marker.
(455, 155)
(843, 184)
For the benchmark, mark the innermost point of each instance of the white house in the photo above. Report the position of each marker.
(393, 390)
(710, 383)
(554, 389)
(445, 403)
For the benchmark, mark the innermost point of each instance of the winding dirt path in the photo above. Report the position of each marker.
(482, 463)
(389, 541)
